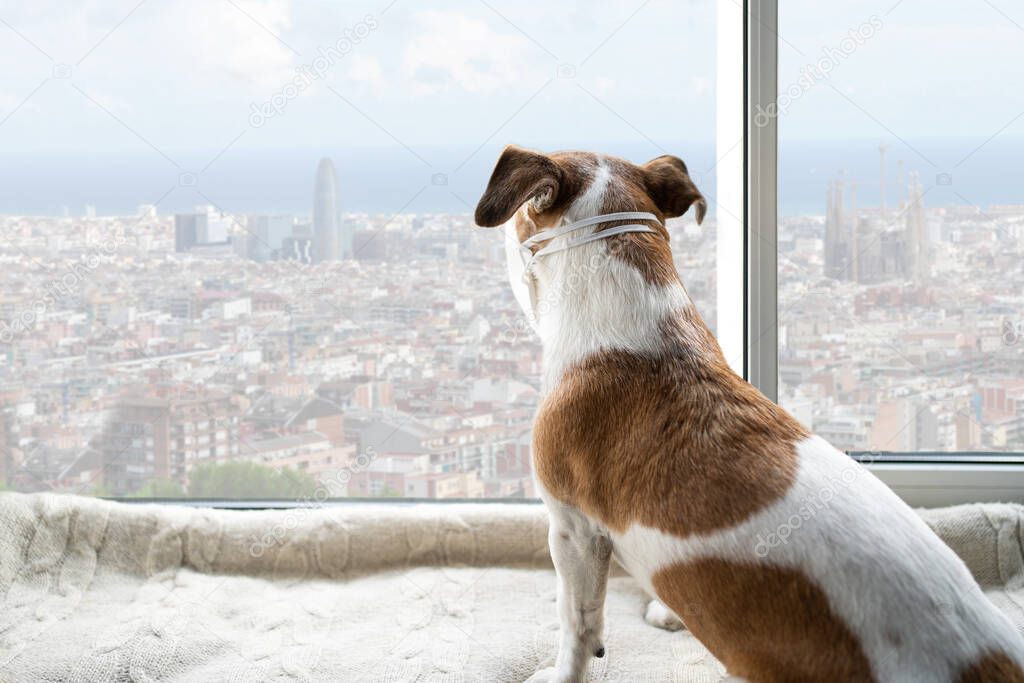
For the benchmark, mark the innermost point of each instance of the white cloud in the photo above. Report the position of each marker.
(8, 102)
(197, 39)
(604, 85)
(222, 37)
(109, 101)
(364, 69)
(457, 52)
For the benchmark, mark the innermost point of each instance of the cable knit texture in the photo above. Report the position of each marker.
(99, 591)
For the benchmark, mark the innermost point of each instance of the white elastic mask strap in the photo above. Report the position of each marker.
(551, 233)
(593, 237)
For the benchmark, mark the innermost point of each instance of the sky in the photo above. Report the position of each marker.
(184, 73)
(117, 102)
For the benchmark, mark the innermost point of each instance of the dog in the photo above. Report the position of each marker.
(788, 560)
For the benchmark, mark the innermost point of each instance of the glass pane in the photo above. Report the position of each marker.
(901, 286)
(238, 254)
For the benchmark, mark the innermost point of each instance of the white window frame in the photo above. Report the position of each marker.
(922, 480)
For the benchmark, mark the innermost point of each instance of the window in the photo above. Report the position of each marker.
(244, 229)
(900, 243)
(242, 232)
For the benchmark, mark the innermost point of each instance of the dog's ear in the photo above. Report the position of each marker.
(669, 184)
(519, 176)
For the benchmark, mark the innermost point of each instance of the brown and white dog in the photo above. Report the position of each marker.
(789, 561)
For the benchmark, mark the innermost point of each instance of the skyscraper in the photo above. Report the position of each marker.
(346, 235)
(185, 231)
(837, 242)
(881, 180)
(267, 234)
(868, 249)
(204, 226)
(325, 213)
(917, 240)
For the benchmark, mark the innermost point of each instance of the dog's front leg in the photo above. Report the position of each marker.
(581, 552)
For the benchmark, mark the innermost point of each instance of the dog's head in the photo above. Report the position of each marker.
(546, 190)
(548, 185)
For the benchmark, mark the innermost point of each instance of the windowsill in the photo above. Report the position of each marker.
(921, 479)
(285, 504)
(931, 484)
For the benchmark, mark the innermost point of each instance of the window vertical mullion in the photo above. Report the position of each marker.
(761, 284)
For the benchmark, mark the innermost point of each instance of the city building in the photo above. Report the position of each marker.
(407, 370)
(870, 245)
(266, 235)
(326, 243)
(301, 249)
(148, 438)
(204, 227)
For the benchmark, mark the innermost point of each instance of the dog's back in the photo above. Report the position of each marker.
(789, 560)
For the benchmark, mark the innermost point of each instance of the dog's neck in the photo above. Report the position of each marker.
(588, 300)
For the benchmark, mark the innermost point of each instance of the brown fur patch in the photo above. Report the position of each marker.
(577, 172)
(648, 253)
(667, 181)
(676, 442)
(764, 623)
(519, 176)
(661, 187)
(993, 667)
(551, 183)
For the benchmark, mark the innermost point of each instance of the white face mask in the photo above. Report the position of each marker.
(521, 257)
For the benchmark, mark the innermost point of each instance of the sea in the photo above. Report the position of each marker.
(450, 179)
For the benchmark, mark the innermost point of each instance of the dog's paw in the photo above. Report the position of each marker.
(553, 675)
(657, 614)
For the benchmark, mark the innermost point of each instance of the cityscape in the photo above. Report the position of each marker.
(213, 354)
(899, 323)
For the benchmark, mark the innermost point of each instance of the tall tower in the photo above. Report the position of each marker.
(854, 263)
(325, 213)
(835, 236)
(900, 184)
(881, 179)
(345, 234)
(916, 239)
(186, 231)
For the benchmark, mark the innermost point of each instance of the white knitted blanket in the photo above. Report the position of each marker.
(98, 591)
